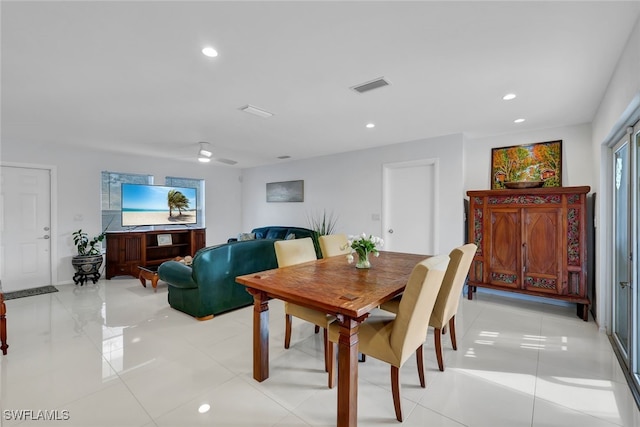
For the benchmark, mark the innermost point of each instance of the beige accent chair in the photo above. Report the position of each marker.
(393, 339)
(334, 245)
(448, 300)
(292, 252)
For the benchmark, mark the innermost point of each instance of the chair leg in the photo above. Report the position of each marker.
(452, 326)
(287, 330)
(330, 364)
(326, 349)
(395, 390)
(437, 337)
(420, 362)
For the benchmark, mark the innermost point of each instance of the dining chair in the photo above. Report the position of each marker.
(333, 245)
(292, 252)
(446, 307)
(393, 339)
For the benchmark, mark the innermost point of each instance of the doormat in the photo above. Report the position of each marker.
(30, 292)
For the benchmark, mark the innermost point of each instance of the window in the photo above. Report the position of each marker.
(110, 189)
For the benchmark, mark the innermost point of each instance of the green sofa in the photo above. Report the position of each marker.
(209, 286)
(282, 233)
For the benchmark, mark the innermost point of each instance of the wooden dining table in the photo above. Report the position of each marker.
(333, 286)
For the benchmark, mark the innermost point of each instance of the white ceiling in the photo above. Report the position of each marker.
(129, 76)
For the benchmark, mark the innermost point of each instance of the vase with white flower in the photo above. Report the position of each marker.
(363, 246)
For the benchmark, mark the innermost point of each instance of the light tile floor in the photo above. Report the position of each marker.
(115, 354)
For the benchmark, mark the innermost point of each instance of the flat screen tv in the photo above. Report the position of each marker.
(158, 205)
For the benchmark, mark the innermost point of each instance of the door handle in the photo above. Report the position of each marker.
(624, 284)
(46, 236)
(390, 231)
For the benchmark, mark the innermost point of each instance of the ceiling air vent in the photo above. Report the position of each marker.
(373, 84)
(227, 161)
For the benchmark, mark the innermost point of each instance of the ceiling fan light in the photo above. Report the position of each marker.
(205, 153)
(204, 159)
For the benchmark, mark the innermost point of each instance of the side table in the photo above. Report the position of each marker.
(149, 273)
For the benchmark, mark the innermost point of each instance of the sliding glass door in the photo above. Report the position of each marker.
(635, 290)
(622, 297)
(625, 291)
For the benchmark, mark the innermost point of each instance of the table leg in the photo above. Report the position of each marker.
(260, 335)
(142, 278)
(3, 325)
(348, 373)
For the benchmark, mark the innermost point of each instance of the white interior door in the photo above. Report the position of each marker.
(25, 221)
(410, 202)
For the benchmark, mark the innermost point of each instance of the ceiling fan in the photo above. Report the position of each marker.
(205, 155)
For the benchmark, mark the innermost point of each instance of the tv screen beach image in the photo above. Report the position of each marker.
(158, 205)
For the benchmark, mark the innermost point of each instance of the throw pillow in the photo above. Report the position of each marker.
(246, 236)
(276, 233)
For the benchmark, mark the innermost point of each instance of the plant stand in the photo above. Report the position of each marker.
(87, 267)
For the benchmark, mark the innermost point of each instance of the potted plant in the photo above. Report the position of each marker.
(89, 259)
(322, 224)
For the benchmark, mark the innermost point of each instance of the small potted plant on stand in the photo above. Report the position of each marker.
(89, 259)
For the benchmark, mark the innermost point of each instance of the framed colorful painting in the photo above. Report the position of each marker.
(527, 166)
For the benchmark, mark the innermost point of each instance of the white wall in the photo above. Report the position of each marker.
(350, 186)
(618, 109)
(78, 191)
(577, 159)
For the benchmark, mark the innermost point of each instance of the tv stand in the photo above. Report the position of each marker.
(128, 250)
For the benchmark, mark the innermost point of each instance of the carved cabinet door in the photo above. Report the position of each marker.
(542, 250)
(504, 242)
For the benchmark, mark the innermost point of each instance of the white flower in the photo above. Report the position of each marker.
(349, 258)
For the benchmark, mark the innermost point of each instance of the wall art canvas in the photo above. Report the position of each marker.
(287, 191)
(527, 166)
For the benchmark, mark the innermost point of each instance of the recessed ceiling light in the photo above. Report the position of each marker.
(509, 96)
(210, 52)
(518, 120)
(371, 125)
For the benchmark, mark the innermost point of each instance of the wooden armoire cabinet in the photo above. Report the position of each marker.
(531, 241)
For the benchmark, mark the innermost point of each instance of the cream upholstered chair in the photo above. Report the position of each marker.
(394, 339)
(333, 245)
(292, 252)
(444, 312)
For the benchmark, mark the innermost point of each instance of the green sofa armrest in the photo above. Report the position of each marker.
(177, 274)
